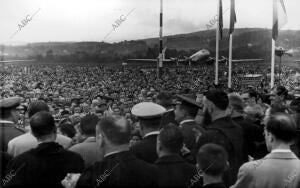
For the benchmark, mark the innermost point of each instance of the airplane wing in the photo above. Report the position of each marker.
(10, 61)
(149, 60)
(246, 60)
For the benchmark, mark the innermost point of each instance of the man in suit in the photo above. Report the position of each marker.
(48, 163)
(149, 115)
(9, 117)
(165, 99)
(280, 168)
(223, 131)
(253, 134)
(88, 149)
(173, 171)
(185, 114)
(119, 166)
(25, 142)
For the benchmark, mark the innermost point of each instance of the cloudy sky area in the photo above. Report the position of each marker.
(92, 20)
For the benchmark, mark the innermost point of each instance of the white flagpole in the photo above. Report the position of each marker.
(273, 64)
(230, 62)
(217, 48)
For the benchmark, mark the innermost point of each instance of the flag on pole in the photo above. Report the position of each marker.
(220, 19)
(279, 17)
(232, 17)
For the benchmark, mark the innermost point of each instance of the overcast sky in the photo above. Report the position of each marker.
(92, 20)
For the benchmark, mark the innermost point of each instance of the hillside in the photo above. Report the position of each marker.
(247, 43)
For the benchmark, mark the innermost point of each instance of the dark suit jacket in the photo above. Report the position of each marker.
(8, 132)
(168, 117)
(228, 134)
(253, 135)
(4, 160)
(188, 134)
(174, 171)
(146, 149)
(45, 166)
(119, 169)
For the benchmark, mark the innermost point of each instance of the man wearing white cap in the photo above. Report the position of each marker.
(149, 115)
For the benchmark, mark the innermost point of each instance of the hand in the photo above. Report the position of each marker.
(70, 180)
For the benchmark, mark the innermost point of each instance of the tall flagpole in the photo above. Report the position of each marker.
(274, 36)
(230, 61)
(160, 39)
(217, 48)
(273, 64)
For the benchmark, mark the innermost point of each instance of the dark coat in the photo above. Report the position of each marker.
(4, 160)
(119, 169)
(174, 171)
(188, 134)
(253, 135)
(44, 166)
(167, 118)
(146, 149)
(7, 133)
(228, 134)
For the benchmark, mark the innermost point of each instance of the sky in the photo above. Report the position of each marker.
(105, 20)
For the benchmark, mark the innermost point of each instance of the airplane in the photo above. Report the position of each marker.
(201, 54)
(2, 61)
(226, 60)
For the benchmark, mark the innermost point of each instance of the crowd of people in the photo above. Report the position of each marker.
(92, 126)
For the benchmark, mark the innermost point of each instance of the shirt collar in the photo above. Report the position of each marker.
(185, 121)
(151, 133)
(114, 152)
(280, 151)
(7, 122)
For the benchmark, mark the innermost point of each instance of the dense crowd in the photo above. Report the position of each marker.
(94, 126)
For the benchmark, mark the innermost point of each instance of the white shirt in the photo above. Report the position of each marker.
(151, 133)
(114, 152)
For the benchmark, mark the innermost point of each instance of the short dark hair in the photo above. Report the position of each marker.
(116, 129)
(295, 105)
(282, 126)
(88, 124)
(212, 159)
(153, 123)
(67, 129)
(252, 94)
(165, 98)
(42, 124)
(192, 110)
(218, 97)
(37, 106)
(171, 138)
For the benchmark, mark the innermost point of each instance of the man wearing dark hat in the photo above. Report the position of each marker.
(9, 117)
(185, 114)
(149, 115)
(223, 131)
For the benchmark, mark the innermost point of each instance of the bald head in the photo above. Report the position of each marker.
(282, 126)
(115, 128)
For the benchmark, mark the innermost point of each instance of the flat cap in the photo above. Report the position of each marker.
(147, 110)
(190, 100)
(11, 102)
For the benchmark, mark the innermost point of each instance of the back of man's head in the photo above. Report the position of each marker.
(212, 159)
(282, 126)
(170, 138)
(42, 124)
(115, 128)
(236, 102)
(88, 124)
(37, 106)
(218, 97)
